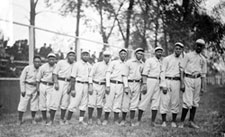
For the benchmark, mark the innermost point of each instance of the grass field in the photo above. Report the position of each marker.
(210, 116)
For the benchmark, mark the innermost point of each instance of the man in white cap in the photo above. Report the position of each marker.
(151, 79)
(28, 89)
(62, 87)
(171, 77)
(195, 68)
(80, 86)
(98, 80)
(131, 100)
(45, 84)
(116, 85)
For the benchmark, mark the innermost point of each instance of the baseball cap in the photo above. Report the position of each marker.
(123, 49)
(139, 50)
(71, 51)
(200, 41)
(51, 55)
(106, 53)
(158, 48)
(179, 44)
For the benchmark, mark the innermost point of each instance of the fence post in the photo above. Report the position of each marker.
(31, 44)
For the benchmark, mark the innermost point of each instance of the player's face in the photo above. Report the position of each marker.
(71, 57)
(37, 62)
(139, 55)
(123, 55)
(106, 58)
(199, 48)
(85, 56)
(158, 53)
(51, 60)
(178, 50)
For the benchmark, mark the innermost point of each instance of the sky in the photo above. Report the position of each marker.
(18, 11)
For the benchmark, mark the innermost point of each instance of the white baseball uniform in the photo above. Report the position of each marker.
(60, 97)
(152, 70)
(45, 78)
(81, 72)
(98, 78)
(170, 79)
(195, 65)
(131, 100)
(28, 85)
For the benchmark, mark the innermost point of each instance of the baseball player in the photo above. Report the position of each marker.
(116, 84)
(97, 79)
(131, 100)
(62, 87)
(45, 84)
(170, 84)
(195, 68)
(29, 90)
(80, 84)
(151, 80)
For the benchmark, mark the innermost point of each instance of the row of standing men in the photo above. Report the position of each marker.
(117, 86)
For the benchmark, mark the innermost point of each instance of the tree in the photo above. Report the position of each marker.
(33, 13)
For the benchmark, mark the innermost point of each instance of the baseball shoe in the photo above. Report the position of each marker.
(99, 122)
(138, 123)
(155, 124)
(44, 122)
(19, 123)
(122, 123)
(90, 122)
(34, 122)
(173, 124)
(163, 124)
(117, 122)
(105, 122)
(193, 125)
(83, 123)
(67, 122)
(62, 122)
(181, 125)
(49, 123)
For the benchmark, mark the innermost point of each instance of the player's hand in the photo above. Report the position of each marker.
(107, 90)
(164, 90)
(73, 93)
(127, 90)
(56, 86)
(182, 87)
(23, 93)
(144, 89)
(68, 90)
(90, 89)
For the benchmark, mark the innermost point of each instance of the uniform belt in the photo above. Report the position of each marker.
(173, 78)
(192, 76)
(154, 77)
(100, 83)
(133, 80)
(47, 83)
(64, 79)
(82, 82)
(31, 83)
(116, 82)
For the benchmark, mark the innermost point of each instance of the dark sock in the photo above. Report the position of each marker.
(44, 115)
(192, 113)
(107, 115)
(63, 113)
(116, 116)
(52, 114)
(132, 114)
(69, 115)
(124, 114)
(174, 117)
(99, 113)
(183, 115)
(82, 113)
(90, 112)
(20, 116)
(140, 113)
(33, 114)
(163, 117)
(154, 113)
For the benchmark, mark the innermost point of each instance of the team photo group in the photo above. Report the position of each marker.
(165, 85)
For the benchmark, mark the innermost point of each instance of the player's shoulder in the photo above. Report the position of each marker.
(63, 61)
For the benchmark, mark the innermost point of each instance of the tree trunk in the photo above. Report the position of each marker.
(102, 29)
(77, 25)
(129, 13)
(157, 24)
